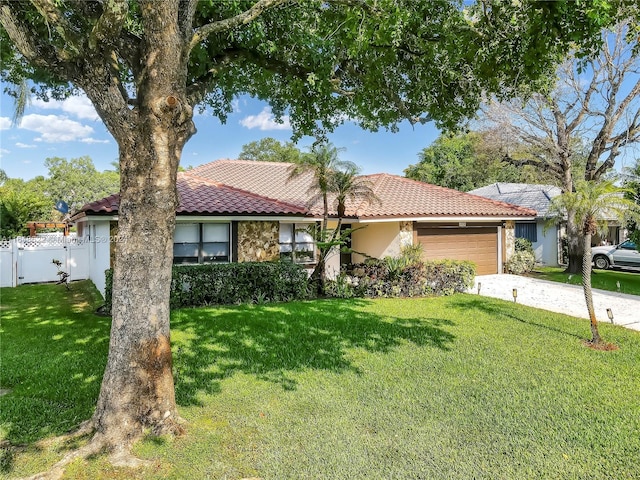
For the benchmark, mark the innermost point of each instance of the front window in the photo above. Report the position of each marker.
(201, 243)
(296, 243)
(527, 230)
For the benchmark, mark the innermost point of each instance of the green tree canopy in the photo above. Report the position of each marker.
(77, 181)
(22, 202)
(470, 160)
(631, 175)
(271, 150)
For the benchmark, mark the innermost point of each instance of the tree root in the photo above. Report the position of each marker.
(119, 449)
(57, 471)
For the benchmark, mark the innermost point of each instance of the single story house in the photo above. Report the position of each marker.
(545, 237)
(241, 210)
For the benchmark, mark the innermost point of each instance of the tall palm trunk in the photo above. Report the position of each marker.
(586, 286)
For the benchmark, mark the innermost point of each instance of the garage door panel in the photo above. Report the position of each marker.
(479, 245)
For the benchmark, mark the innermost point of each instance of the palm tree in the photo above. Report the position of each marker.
(332, 178)
(592, 202)
(347, 184)
(323, 161)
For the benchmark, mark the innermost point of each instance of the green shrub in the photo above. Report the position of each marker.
(524, 245)
(446, 277)
(520, 262)
(232, 283)
(395, 278)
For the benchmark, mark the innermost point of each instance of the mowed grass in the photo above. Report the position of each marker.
(455, 387)
(628, 281)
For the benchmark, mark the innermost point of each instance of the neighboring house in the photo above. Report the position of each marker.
(545, 237)
(240, 210)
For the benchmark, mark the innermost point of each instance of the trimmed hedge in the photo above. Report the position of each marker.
(382, 278)
(231, 283)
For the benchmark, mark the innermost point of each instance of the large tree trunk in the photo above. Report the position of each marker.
(137, 389)
(586, 286)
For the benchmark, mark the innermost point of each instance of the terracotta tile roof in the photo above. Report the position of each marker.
(399, 196)
(105, 205)
(403, 197)
(266, 188)
(269, 179)
(198, 195)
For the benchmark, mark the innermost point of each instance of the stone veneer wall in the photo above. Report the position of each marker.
(406, 234)
(509, 239)
(258, 241)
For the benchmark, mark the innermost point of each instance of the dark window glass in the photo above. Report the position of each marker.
(528, 231)
(201, 243)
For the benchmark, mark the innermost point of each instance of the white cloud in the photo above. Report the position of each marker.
(27, 162)
(4, 151)
(79, 106)
(265, 121)
(5, 123)
(24, 145)
(55, 128)
(93, 140)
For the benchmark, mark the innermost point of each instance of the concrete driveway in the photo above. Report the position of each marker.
(561, 298)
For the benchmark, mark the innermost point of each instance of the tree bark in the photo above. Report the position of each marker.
(586, 286)
(137, 389)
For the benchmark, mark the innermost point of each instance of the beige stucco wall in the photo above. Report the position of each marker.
(258, 241)
(378, 240)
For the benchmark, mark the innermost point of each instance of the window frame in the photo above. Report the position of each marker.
(527, 236)
(201, 258)
(292, 254)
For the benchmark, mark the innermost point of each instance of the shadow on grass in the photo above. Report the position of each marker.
(274, 340)
(55, 349)
(53, 356)
(499, 308)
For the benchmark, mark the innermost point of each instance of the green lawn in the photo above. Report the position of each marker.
(455, 387)
(603, 279)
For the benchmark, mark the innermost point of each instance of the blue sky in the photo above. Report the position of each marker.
(72, 129)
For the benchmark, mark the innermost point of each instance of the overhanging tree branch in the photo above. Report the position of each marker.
(110, 23)
(20, 34)
(54, 18)
(233, 22)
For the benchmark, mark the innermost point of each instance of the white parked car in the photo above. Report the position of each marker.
(624, 255)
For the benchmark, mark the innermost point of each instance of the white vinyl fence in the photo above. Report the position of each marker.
(28, 259)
